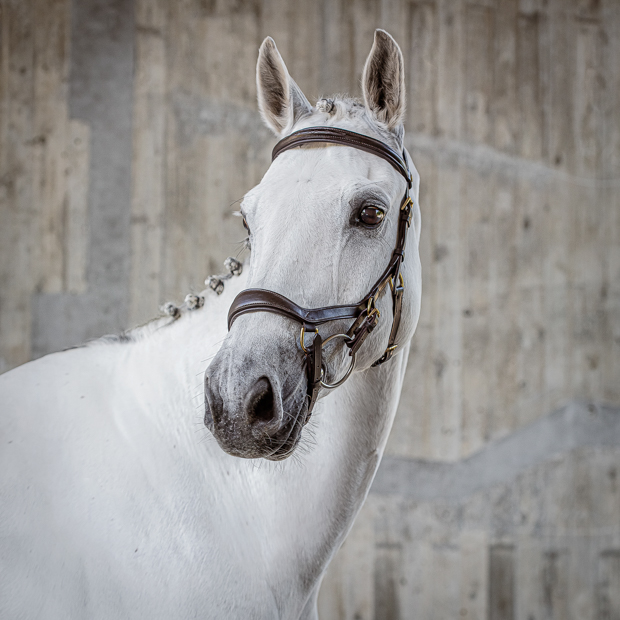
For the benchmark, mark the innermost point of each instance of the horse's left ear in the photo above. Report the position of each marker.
(383, 81)
(280, 100)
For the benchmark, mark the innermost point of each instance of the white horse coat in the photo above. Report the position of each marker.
(116, 501)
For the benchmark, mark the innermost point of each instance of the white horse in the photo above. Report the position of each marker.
(112, 507)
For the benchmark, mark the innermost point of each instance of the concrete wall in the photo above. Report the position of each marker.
(528, 528)
(129, 128)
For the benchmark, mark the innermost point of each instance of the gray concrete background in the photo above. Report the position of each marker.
(101, 95)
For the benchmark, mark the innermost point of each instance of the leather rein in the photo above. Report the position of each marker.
(364, 314)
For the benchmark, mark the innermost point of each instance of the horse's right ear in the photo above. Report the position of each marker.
(280, 100)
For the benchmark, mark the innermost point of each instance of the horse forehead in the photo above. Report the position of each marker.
(323, 171)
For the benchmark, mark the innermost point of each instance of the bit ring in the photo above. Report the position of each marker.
(331, 386)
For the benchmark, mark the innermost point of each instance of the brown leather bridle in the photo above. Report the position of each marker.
(365, 313)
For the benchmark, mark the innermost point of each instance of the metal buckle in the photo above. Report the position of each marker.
(407, 206)
(371, 307)
(401, 283)
(301, 338)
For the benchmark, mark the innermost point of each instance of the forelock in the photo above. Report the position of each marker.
(351, 113)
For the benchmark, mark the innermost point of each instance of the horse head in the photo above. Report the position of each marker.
(323, 225)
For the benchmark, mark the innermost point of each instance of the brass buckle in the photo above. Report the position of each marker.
(407, 206)
(301, 338)
(371, 307)
(402, 282)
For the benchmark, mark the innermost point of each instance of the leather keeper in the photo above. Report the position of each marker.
(315, 367)
(362, 332)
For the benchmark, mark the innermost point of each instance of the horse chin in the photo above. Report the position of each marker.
(288, 446)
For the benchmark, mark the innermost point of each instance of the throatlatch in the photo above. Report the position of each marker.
(365, 314)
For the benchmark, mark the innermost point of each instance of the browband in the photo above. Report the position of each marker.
(364, 313)
(335, 135)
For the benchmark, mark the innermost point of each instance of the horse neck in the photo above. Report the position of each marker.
(311, 499)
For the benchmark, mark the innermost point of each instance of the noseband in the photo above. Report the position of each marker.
(365, 314)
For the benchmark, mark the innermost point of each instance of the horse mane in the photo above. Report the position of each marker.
(172, 312)
(133, 334)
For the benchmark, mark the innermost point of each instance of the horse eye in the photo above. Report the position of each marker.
(372, 216)
(245, 225)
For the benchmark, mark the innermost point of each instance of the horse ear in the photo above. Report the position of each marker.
(280, 100)
(383, 81)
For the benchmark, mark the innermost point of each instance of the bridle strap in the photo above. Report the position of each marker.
(344, 137)
(364, 313)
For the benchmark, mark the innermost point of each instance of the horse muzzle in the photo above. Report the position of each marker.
(255, 404)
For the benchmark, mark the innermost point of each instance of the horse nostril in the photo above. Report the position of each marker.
(260, 401)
